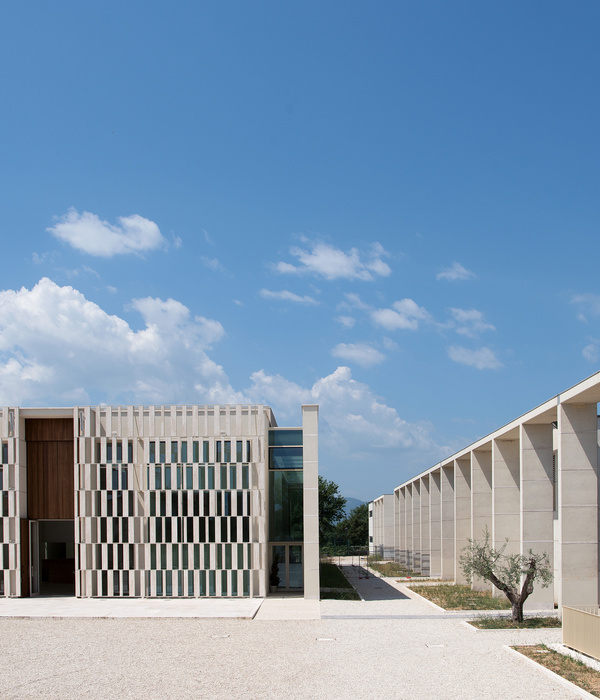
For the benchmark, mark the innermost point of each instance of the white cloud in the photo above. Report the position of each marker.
(588, 303)
(591, 352)
(332, 263)
(354, 422)
(455, 272)
(285, 295)
(470, 322)
(212, 264)
(404, 315)
(484, 358)
(56, 347)
(88, 233)
(346, 321)
(361, 353)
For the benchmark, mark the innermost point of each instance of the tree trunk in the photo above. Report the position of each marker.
(517, 610)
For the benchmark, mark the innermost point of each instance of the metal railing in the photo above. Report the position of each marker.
(581, 629)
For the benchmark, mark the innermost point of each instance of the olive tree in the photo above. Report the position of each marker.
(513, 574)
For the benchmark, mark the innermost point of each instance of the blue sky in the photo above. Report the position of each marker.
(390, 209)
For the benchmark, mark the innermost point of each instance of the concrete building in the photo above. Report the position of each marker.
(381, 526)
(533, 481)
(184, 501)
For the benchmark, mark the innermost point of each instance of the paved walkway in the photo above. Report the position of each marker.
(388, 645)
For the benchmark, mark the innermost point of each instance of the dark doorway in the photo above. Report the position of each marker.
(57, 557)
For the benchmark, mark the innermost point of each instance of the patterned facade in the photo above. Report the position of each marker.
(167, 501)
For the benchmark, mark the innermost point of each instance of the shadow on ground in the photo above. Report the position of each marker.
(371, 587)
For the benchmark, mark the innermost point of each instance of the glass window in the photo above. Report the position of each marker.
(240, 556)
(98, 452)
(285, 438)
(152, 450)
(245, 477)
(227, 451)
(223, 583)
(238, 451)
(167, 477)
(119, 452)
(286, 506)
(203, 583)
(219, 556)
(195, 451)
(212, 590)
(218, 451)
(179, 476)
(157, 478)
(223, 476)
(285, 458)
(201, 484)
(109, 451)
(234, 583)
(228, 556)
(248, 451)
(130, 459)
(211, 476)
(207, 556)
(233, 476)
(115, 478)
(190, 583)
(124, 478)
(205, 457)
(189, 478)
(174, 452)
(246, 580)
(162, 452)
(184, 446)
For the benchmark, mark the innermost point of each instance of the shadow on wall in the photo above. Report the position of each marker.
(371, 587)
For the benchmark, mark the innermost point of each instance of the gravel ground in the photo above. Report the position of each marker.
(396, 648)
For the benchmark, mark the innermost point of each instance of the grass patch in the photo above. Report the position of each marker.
(332, 577)
(391, 568)
(461, 597)
(488, 622)
(570, 669)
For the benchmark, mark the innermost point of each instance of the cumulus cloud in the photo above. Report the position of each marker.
(58, 347)
(483, 358)
(470, 322)
(455, 272)
(354, 421)
(591, 351)
(346, 321)
(404, 315)
(332, 263)
(360, 353)
(589, 304)
(285, 295)
(88, 233)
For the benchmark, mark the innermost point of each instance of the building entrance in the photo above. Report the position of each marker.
(52, 557)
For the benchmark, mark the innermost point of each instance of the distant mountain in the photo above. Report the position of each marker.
(351, 503)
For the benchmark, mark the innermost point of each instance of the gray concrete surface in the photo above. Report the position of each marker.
(394, 648)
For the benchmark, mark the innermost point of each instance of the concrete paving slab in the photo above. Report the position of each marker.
(289, 609)
(65, 606)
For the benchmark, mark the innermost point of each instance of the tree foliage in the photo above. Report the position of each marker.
(331, 507)
(354, 529)
(513, 574)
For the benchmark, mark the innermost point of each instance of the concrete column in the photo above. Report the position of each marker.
(447, 524)
(481, 501)
(462, 510)
(506, 495)
(537, 503)
(435, 523)
(578, 503)
(401, 527)
(425, 532)
(396, 525)
(416, 523)
(409, 526)
(310, 433)
(506, 498)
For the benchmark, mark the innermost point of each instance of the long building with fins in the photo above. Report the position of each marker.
(533, 482)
